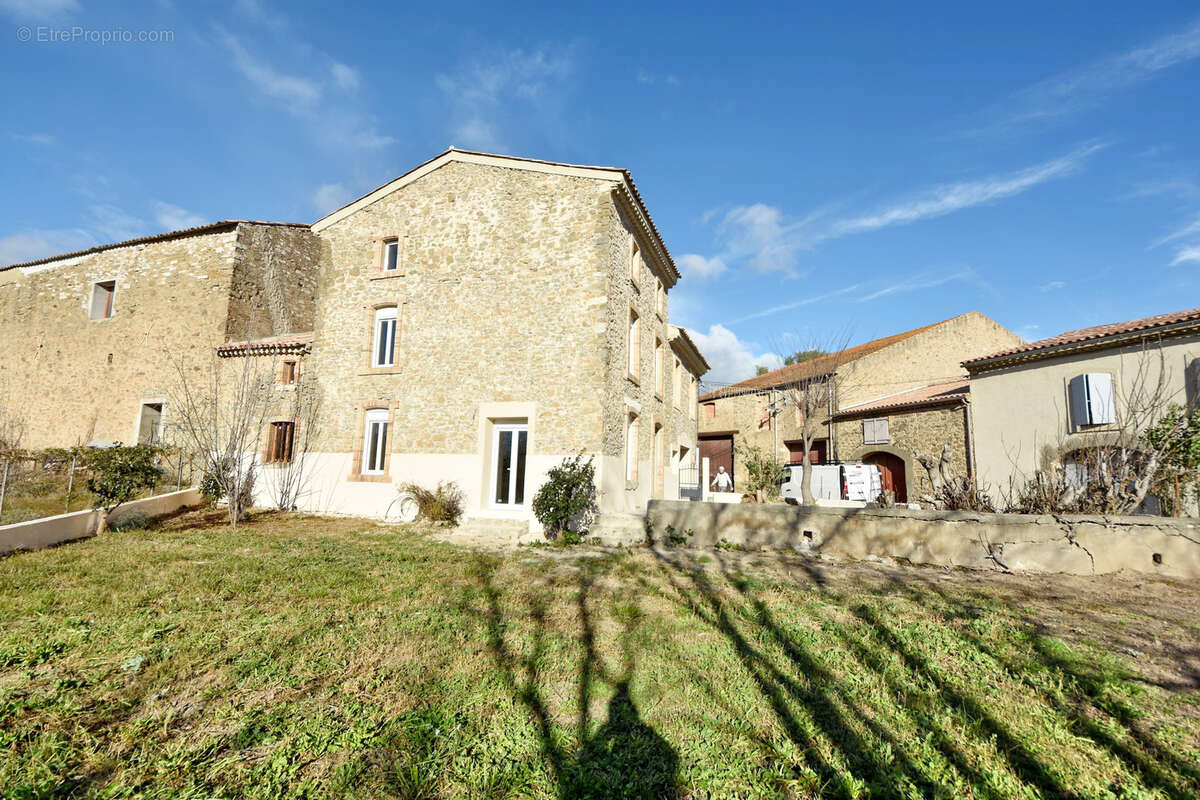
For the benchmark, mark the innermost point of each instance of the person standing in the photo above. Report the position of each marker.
(722, 481)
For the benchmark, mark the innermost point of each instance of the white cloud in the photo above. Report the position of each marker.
(40, 10)
(1087, 86)
(731, 359)
(1029, 332)
(173, 218)
(762, 237)
(30, 245)
(1187, 230)
(947, 198)
(648, 78)
(1187, 255)
(915, 283)
(697, 266)
(1051, 286)
(263, 76)
(345, 77)
(505, 90)
(801, 303)
(330, 196)
(42, 139)
(115, 224)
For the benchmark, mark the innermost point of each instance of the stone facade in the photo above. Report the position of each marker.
(72, 376)
(512, 290)
(866, 373)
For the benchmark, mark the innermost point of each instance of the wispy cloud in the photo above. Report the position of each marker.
(650, 78)
(173, 218)
(494, 94)
(914, 283)
(730, 358)
(1088, 86)
(291, 89)
(344, 76)
(30, 245)
(951, 197)
(115, 224)
(40, 139)
(763, 238)
(801, 303)
(1051, 286)
(40, 10)
(330, 196)
(1187, 255)
(697, 266)
(1191, 229)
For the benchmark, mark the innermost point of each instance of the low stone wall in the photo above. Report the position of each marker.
(1075, 544)
(49, 531)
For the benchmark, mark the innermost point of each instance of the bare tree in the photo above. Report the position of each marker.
(219, 419)
(303, 409)
(1110, 469)
(12, 423)
(815, 396)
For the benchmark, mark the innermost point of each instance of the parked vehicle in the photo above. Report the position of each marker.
(859, 482)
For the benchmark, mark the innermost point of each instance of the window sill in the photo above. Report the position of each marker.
(285, 387)
(359, 478)
(658, 396)
(275, 464)
(382, 276)
(381, 371)
(629, 376)
(631, 486)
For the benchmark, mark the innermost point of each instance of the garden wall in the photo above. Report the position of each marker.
(1075, 544)
(49, 531)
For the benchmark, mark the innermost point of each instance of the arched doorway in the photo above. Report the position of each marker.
(891, 468)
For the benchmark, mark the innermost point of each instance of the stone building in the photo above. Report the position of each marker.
(478, 320)
(93, 340)
(760, 412)
(1057, 397)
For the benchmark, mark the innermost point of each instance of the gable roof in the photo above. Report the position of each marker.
(1092, 338)
(822, 365)
(936, 394)
(199, 230)
(686, 348)
(621, 178)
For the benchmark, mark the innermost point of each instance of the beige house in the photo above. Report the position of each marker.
(478, 319)
(1064, 394)
(883, 375)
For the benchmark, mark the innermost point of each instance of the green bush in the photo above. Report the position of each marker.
(444, 504)
(566, 503)
(763, 472)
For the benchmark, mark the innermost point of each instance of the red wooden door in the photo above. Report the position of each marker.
(891, 469)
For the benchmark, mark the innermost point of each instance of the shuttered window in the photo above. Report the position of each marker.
(875, 431)
(1092, 401)
(279, 446)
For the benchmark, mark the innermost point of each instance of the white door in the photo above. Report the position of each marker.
(509, 444)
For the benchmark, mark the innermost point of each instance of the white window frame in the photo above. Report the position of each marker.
(1092, 399)
(659, 355)
(634, 345)
(110, 304)
(635, 268)
(375, 417)
(874, 436)
(391, 255)
(631, 447)
(387, 320)
(516, 428)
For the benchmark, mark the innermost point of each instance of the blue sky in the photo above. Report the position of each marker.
(817, 173)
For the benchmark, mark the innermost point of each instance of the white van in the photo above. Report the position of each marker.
(857, 482)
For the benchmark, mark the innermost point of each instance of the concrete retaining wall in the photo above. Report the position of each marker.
(1076, 544)
(48, 531)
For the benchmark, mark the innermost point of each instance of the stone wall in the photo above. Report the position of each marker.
(73, 379)
(274, 288)
(1075, 544)
(923, 430)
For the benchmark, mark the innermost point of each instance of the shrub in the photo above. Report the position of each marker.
(566, 503)
(763, 472)
(221, 475)
(444, 504)
(119, 474)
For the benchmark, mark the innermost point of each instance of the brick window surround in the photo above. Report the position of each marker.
(356, 473)
(369, 310)
(275, 450)
(380, 242)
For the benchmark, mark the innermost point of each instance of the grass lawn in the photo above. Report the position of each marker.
(299, 657)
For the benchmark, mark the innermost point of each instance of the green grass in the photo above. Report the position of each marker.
(298, 657)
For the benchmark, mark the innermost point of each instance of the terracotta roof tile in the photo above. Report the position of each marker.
(1094, 333)
(935, 394)
(288, 343)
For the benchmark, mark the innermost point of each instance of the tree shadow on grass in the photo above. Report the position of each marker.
(624, 756)
(849, 738)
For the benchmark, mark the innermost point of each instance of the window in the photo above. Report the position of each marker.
(289, 373)
(634, 265)
(710, 410)
(1092, 399)
(391, 255)
(658, 367)
(658, 467)
(634, 344)
(149, 423)
(510, 444)
(677, 385)
(660, 301)
(375, 442)
(279, 442)
(631, 454)
(102, 299)
(694, 397)
(383, 349)
(875, 431)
